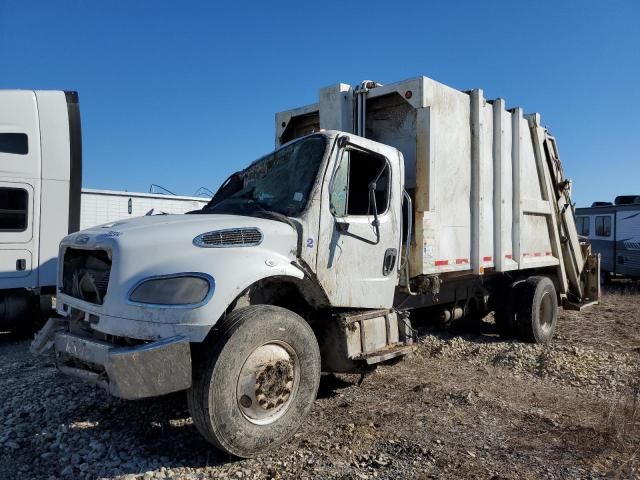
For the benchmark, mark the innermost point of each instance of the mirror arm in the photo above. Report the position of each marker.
(372, 197)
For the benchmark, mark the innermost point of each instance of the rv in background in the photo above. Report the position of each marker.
(613, 230)
(41, 200)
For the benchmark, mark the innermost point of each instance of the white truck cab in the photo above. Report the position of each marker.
(41, 200)
(308, 260)
(40, 180)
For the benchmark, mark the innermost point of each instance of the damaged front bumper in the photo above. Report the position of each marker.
(130, 372)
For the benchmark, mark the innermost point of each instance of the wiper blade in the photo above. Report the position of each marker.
(277, 216)
(274, 215)
(263, 212)
(247, 193)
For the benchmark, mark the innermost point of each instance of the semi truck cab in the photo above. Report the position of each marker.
(40, 181)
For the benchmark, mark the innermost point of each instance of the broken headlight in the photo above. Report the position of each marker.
(186, 289)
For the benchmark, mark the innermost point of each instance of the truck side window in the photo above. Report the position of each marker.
(582, 225)
(13, 209)
(603, 226)
(350, 190)
(16, 143)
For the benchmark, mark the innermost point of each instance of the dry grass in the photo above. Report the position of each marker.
(622, 424)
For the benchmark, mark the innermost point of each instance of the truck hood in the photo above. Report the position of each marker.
(171, 229)
(186, 222)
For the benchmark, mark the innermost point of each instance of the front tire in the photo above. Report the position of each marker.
(255, 383)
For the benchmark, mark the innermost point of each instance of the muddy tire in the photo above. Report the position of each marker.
(536, 309)
(254, 384)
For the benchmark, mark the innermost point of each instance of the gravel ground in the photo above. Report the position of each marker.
(466, 404)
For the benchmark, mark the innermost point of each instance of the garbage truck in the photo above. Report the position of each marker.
(378, 200)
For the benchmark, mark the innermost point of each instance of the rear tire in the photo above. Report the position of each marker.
(254, 384)
(536, 309)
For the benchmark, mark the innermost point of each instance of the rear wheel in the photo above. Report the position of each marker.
(536, 309)
(254, 385)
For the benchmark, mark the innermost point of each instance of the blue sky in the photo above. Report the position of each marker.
(183, 93)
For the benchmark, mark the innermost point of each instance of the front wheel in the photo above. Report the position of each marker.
(254, 385)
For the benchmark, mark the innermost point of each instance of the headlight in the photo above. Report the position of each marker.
(186, 289)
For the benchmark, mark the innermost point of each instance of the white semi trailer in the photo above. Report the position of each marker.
(105, 206)
(41, 200)
(377, 201)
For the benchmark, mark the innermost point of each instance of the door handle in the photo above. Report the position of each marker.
(389, 261)
(21, 264)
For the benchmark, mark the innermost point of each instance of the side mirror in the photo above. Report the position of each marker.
(342, 226)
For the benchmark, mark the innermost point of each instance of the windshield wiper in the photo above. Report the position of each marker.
(271, 214)
(259, 211)
(279, 217)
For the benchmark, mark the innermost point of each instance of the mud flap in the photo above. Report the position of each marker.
(590, 278)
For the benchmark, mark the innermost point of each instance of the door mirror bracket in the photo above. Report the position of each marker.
(342, 227)
(343, 142)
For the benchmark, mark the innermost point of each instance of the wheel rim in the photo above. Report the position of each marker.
(268, 382)
(546, 311)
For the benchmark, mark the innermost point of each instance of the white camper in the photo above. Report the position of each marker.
(613, 229)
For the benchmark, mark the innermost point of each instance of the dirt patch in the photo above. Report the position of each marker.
(465, 405)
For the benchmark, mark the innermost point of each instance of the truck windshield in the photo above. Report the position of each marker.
(280, 182)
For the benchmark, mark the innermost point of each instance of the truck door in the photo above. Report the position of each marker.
(360, 225)
(19, 189)
(16, 203)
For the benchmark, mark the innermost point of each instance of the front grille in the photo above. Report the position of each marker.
(234, 237)
(85, 274)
